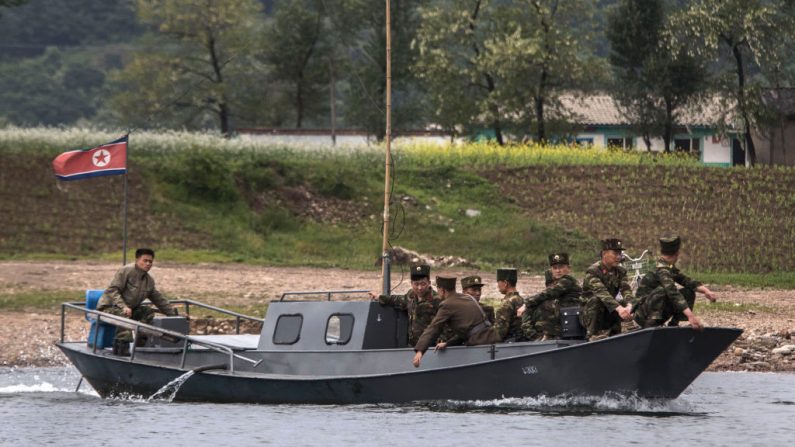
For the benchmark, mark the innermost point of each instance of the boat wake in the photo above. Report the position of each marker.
(44, 387)
(565, 405)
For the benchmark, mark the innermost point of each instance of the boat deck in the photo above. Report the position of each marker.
(238, 341)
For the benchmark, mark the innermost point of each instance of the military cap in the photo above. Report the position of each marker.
(445, 282)
(612, 244)
(558, 258)
(670, 245)
(471, 281)
(506, 275)
(419, 271)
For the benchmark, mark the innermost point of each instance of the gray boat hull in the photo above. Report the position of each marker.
(650, 363)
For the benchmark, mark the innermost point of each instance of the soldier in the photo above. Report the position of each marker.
(541, 317)
(460, 312)
(658, 298)
(471, 286)
(606, 293)
(509, 324)
(421, 302)
(131, 285)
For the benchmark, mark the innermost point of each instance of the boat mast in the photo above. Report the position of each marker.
(385, 257)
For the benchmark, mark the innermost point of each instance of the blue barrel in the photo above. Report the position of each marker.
(105, 332)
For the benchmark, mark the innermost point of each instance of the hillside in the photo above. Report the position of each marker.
(205, 199)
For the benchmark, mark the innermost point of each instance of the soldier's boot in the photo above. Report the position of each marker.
(121, 348)
(601, 335)
(141, 341)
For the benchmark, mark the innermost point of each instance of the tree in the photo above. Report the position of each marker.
(296, 51)
(540, 49)
(506, 61)
(365, 96)
(196, 65)
(755, 37)
(58, 87)
(653, 82)
(29, 29)
(450, 63)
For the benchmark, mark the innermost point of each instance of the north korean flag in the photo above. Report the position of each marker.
(108, 159)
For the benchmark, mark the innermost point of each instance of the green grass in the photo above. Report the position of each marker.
(200, 198)
(723, 307)
(38, 300)
(778, 280)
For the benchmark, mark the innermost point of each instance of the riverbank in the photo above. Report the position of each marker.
(30, 294)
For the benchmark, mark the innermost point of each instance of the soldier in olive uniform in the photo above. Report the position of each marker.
(606, 293)
(541, 316)
(658, 298)
(509, 324)
(460, 312)
(421, 302)
(131, 285)
(472, 286)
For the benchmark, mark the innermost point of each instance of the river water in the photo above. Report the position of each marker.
(38, 406)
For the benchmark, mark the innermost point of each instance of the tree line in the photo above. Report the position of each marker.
(464, 66)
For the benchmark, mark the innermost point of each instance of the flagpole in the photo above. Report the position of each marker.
(386, 259)
(124, 225)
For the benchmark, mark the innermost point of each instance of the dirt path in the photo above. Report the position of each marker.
(26, 338)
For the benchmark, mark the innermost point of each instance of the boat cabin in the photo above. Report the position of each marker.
(332, 325)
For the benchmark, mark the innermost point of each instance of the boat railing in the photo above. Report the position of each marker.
(328, 293)
(238, 316)
(138, 327)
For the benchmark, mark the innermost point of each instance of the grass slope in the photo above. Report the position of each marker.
(200, 198)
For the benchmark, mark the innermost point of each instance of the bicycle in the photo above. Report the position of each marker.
(639, 265)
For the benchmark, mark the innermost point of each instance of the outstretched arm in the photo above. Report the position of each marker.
(707, 293)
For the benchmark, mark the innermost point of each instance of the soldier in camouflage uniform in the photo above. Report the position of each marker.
(509, 324)
(658, 298)
(606, 293)
(472, 286)
(541, 316)
(131, 285)
(420, 303)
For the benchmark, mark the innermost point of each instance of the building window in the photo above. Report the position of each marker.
(621, 143)
(339, 329)
(288, 329)
(687, 145)
(585, 141)
(682, 144)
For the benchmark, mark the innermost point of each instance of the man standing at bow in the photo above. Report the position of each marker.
(131, 285)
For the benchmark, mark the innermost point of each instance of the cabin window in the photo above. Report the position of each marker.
(288, 329)
(585, 141)
(339, 329)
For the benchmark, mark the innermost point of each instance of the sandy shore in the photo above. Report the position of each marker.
(27, 338)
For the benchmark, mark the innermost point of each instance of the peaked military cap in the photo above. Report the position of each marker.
(612, 244)
(471, 281)
(506, 275)
(445, 282)
(559, 258)
(419, 271)
(670, 245)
